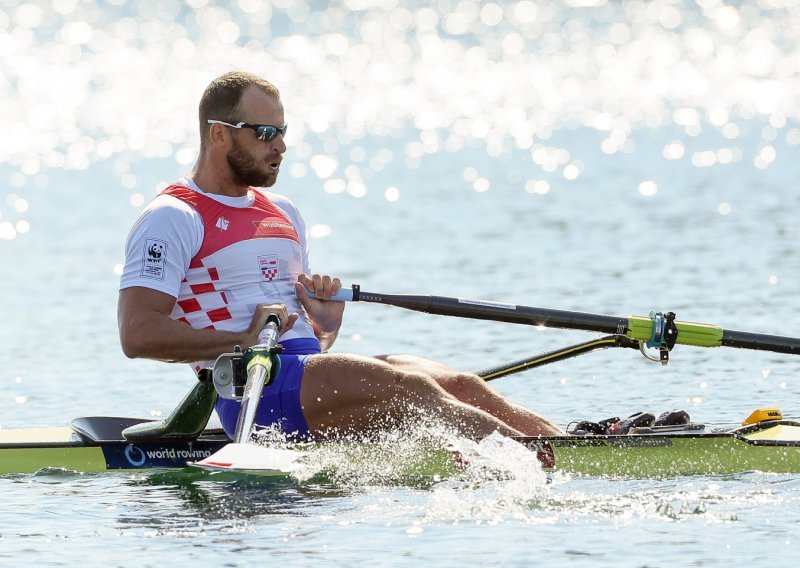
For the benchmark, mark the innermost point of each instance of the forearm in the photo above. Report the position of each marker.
(327, 329)
(146, 330)
(326, 339)
(154, 336)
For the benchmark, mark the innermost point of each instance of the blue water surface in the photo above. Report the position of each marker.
(586, 155)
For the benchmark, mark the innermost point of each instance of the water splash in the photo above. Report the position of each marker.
(394, 456)
(425, 454)
(502, 480)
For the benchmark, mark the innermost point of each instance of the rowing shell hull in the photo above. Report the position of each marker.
(28, 450)
(768, 447)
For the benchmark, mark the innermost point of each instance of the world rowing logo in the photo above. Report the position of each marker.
(135, 456)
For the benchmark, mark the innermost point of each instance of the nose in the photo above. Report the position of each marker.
(279, 143)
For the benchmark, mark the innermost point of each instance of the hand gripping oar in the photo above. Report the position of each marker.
(655, 330)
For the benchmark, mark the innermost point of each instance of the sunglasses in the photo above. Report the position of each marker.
(265, 132)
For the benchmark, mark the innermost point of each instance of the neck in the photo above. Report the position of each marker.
(216, 179)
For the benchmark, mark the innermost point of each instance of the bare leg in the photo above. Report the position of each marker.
(473, 390)
(345, 394)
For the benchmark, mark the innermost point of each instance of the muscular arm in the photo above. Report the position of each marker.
(146, 329)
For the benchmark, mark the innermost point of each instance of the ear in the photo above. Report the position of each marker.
(218, 135)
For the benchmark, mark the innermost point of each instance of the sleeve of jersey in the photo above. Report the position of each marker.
(161, 245)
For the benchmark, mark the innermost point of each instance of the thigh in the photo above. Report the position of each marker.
(454, 382)
(415, 363)
(350, 392)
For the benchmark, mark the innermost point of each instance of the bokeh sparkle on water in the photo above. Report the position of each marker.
(84, 82)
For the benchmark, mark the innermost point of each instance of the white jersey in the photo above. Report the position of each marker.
(219, 256)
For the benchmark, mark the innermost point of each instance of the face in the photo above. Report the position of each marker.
(252, 161)
(246, 170)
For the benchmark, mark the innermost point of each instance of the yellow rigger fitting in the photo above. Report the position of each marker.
(640, 328)
(763, 415)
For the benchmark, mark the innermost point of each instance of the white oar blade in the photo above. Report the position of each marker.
(252, 459)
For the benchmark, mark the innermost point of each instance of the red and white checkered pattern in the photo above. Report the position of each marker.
(254, 260)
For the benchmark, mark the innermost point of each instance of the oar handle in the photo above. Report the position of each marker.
(271, 332)
(343, 295)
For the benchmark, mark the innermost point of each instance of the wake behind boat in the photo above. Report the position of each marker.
(765, 442)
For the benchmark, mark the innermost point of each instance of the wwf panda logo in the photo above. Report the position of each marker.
(156, 251)
(154, 259)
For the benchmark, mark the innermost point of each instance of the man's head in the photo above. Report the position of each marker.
(223, 96)
(242, 122)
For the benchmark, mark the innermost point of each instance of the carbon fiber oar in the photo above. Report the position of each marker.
(653, 329)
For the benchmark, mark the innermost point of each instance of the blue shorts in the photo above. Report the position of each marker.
(280, 402)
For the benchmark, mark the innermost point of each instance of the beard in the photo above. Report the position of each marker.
(245, 171)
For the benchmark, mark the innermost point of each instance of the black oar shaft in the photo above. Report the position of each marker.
(761, 341)
(495, 311)
(638, 328)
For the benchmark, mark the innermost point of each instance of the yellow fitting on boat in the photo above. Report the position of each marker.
(763, 415)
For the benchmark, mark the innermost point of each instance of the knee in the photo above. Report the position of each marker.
(403, 361)
(390, 359)
(467, 382)
(415, 383)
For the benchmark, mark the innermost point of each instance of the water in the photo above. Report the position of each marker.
(597, 156)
